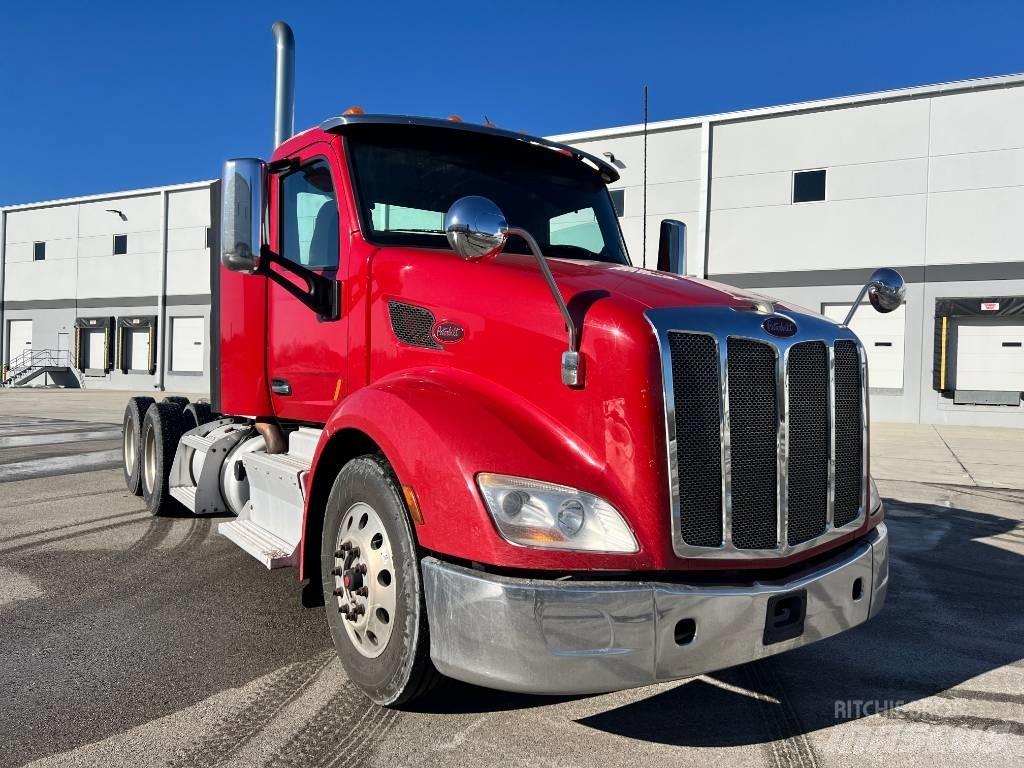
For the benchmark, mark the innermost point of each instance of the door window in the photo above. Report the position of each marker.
(309, 217)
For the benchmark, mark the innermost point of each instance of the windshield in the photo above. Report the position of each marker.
(406, 177)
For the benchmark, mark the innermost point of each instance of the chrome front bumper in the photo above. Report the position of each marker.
(569, 637)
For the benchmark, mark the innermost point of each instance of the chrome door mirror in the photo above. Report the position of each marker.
(672, 247)
(475, 227)
(241, 216)
(885, 289)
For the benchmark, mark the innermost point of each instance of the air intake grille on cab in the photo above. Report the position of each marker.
(412, 324)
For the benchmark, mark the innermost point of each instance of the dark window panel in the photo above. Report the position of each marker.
(808, 186)
(38, 251)
(618, 201)
(120, 244)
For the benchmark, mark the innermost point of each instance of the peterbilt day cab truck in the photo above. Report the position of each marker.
(493, 448)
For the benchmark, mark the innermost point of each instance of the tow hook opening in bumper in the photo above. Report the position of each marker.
(539, 636)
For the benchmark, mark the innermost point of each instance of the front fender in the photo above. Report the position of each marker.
(438, 429)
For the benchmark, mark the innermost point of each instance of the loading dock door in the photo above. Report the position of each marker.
(883, 339)
(19, 338)
(138, 349)
(989, 357)
(94, 342)
(187, 344)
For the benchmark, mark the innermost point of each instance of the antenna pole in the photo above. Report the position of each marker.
(644, 264)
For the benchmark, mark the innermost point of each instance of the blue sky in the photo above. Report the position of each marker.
(106, 96)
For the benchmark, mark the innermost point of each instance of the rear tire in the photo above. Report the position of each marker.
(131, 442)
(196, 414)
(161, 430)
(386, 650)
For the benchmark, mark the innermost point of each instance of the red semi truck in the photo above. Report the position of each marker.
(493, 448)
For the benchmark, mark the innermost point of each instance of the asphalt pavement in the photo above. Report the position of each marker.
(132, 640)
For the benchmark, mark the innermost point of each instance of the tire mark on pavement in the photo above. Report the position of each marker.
(154, 534)
(54, 529)
(242, 723)
(198, 532)
(789, 746)
(341, 733)
(969, 722)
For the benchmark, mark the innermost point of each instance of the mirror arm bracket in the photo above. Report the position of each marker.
(856, 302)
(572, 368)
(321, 294)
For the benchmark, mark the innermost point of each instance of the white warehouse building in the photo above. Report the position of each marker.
(110, 291)
(800, 202)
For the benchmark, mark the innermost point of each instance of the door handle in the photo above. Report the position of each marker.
(280, 387)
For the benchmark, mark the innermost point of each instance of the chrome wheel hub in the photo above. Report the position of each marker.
(364, 580)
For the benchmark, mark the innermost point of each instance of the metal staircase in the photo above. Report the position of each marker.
(33, 363)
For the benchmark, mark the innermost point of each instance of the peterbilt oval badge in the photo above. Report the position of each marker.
(447, 332)
(779, 326)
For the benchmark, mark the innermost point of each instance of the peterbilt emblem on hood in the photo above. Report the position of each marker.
(777, 325)
(447, 332)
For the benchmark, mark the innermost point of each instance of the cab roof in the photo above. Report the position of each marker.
(606, 171)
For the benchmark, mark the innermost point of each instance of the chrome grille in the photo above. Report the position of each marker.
(809, 442)
(753, 439)
(849, 448)
(766, 436)
(695, 378)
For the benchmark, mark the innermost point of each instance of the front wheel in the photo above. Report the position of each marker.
(373, 591)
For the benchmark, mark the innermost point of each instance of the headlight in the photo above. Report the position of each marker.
(537, 514)
(875, 501)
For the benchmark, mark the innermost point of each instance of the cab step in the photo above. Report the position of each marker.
(271, 550)
(186, 495)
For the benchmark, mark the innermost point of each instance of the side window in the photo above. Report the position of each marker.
(309, 217)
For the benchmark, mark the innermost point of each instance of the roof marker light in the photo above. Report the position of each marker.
(354, 110)
(455, 118)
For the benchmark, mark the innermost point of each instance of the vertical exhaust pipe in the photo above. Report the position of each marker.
(284, 84)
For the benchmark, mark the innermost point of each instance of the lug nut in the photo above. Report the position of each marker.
(359, 610)
(363, 591)
(345, 547)
(339, 591)
(361, 569)
(345, 608)
(337, 571)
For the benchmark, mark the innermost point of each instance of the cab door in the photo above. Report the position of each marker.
(306, 355)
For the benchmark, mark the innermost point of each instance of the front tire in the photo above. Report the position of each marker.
(161, 430)
(373, 590)
(131, 442)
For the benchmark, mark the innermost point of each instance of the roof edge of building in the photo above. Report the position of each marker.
(109, 196)
(895, 94)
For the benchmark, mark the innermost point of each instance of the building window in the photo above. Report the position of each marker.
(618, 201)
(808, 186)
(209, 238)
(120, 244)
(38, 251)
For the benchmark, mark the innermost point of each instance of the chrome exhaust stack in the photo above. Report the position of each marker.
(284, 84)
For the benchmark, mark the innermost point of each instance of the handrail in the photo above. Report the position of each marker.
(35, 358)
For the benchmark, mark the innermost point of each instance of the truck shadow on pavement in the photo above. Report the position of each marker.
(953, 613)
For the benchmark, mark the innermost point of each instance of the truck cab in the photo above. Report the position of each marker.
(494, 448)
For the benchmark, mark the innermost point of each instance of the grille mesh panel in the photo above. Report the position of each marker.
(696, 385)
(753, 421)
(412, 324)
(849, 443)
(807, 482)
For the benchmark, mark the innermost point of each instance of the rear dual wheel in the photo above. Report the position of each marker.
(131, 442)
(162, 428)
(373, 591)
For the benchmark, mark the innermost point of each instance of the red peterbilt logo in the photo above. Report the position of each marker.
(447, 332)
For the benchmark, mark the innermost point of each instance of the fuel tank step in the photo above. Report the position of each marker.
(271, 550)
